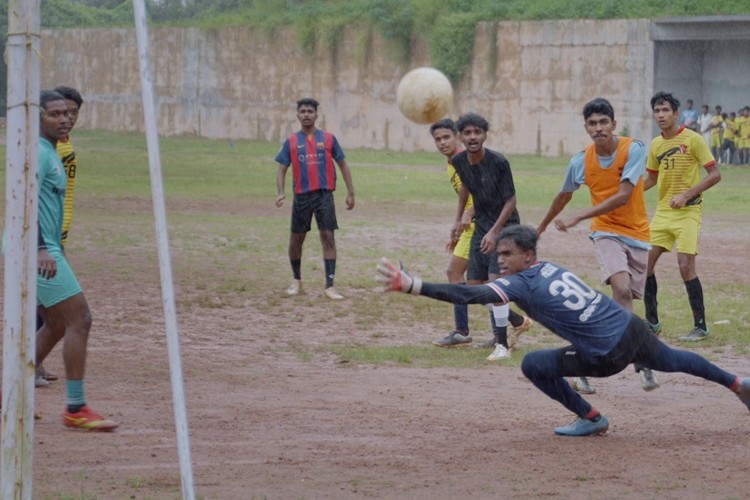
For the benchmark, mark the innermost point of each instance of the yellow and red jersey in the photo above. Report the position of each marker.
(678, 161)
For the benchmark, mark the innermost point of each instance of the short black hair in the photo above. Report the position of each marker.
(308, 101)
(598, 106)
(70, 93)
(665, 97)
(446, 123)
(473, 119)
(46, 96)
(525, 237)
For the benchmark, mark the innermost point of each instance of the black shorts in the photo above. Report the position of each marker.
(481, 265)
(638, 344)
(318, 203)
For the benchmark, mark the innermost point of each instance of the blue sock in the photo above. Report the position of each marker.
(74, 395)
(461, 316)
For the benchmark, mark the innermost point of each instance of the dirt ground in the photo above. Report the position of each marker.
(273, 414)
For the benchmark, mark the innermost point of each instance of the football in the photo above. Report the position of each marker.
(424, 95)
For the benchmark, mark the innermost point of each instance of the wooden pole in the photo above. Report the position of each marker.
(21, 209)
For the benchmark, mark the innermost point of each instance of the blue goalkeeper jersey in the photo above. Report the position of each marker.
(558, 299)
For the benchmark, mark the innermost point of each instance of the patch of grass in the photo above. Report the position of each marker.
(419, 356)
(136, 482)
(304, 355)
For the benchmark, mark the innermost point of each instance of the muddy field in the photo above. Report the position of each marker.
(275, 413)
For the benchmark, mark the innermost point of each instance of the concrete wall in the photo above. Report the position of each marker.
(714, 72)
(529, 79)
(704, 59)
(546, 72)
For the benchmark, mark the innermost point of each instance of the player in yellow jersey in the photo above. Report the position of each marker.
(717, 126)
(737, 140)
(448, 143)
(674, 161)
(743, 129)
(729, 136)
(67, 155)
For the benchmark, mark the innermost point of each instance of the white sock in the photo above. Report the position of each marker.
(501, 313)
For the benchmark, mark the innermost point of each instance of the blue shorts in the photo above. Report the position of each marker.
(318, 203)
(63, 286)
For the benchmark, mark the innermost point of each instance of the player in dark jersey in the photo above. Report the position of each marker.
(486, 176)
(604, 337)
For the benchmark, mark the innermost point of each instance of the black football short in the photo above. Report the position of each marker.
(318, 203)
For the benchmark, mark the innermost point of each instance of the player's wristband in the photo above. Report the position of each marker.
(416, 286)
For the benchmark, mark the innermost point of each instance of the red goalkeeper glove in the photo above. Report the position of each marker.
(397, 279)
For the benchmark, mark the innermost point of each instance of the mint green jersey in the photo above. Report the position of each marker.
(52, 184)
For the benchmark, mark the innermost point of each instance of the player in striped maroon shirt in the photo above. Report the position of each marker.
(311, 152)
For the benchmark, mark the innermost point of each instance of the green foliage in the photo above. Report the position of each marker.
(448, 24)
(362, 43)
(306, 38)
(331, 33)
(167, 11)
(395, 19)
(395, 23)
(70, 14)
(451, 43)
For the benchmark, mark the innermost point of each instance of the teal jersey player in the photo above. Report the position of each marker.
(64, 312)
(52, 184)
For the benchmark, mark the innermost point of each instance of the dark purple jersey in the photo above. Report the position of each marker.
(564, 304)
(555, 297)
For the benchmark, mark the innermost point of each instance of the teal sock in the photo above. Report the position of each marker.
(74, 395)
